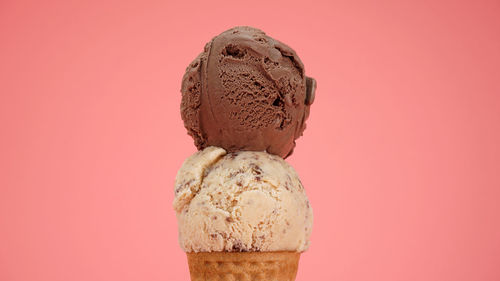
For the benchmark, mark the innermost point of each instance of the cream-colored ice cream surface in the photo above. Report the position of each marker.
(244, 201)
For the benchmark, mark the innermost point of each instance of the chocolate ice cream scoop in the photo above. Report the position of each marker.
(246, 91)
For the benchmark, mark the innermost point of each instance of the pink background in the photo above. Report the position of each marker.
(400, 159)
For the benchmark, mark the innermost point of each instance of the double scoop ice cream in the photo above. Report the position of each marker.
(242, 211)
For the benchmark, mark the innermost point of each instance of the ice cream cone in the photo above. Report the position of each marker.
(243, 266)
(242, 211)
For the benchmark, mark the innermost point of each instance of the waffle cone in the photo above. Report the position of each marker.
(246, 266)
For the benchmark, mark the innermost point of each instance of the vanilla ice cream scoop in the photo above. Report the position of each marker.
(239, 202)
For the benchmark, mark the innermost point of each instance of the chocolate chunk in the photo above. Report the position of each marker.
(238, 247)
(256, 169)
(232, 155)
(310, 90)
(235, 173)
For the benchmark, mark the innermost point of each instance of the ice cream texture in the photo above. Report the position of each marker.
(241, 201)
(246, 91)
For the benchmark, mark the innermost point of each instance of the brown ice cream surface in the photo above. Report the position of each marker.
(246, 91)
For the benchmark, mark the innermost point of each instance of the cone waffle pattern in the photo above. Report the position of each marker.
(247, 266)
